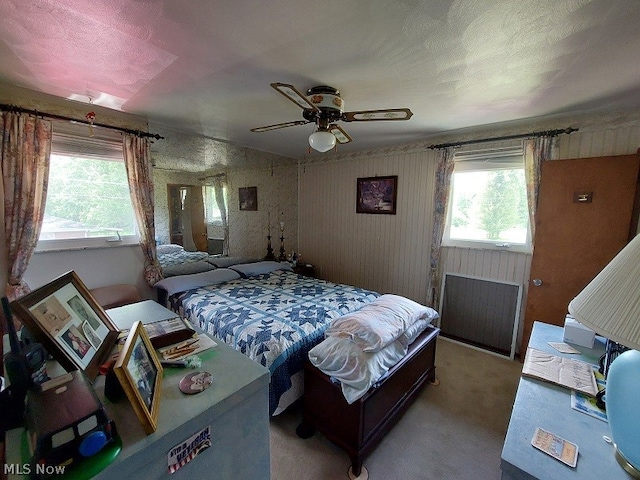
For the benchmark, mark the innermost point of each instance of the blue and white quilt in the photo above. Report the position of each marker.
(274, 318)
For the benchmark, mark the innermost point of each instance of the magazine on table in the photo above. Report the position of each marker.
(562, 371)
(587, 404)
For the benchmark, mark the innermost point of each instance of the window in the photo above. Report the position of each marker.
(488, 201)
(88, 202)
(212, 212)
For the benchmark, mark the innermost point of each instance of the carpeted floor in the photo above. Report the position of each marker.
(452, 431)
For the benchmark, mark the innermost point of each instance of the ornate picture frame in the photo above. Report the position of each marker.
(377, 195)
(65, 318)
(139, 372)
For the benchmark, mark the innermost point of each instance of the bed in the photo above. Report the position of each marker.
(365, 373)
(267, 312)
(175, 260)
(358, 427)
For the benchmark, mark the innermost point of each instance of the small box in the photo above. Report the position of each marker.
(168, 331)
(578, 334)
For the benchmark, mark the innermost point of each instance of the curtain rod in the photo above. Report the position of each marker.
(546, 133)
(139, 133)
(217, 175)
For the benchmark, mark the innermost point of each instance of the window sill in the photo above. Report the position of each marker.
(107, 245)
(524, 249)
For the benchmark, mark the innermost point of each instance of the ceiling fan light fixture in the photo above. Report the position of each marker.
(322, 141)
(323, 106)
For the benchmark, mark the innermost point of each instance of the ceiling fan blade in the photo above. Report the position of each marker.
(294, 95)
(276, 126)
(372, 115)
(339, 133)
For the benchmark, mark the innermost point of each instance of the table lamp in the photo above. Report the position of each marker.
(610, 305)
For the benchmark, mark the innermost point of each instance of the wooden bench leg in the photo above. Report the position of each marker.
(362, 472)
(304, 430)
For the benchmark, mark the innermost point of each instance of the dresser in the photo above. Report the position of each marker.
(235, 407)
(542, 404)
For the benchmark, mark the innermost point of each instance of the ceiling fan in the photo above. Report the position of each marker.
(323, 106)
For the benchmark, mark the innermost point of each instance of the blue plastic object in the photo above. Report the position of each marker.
(623, 404)
(92, 444)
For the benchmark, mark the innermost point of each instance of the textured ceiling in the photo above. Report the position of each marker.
(205, 66)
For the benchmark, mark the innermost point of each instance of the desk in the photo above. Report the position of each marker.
(146, 311)
(236, 406)
(542, 404)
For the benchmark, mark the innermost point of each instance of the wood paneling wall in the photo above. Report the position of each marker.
(385, 253)
(593, 142)
(390, 253)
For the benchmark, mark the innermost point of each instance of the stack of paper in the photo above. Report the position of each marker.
(561, 371)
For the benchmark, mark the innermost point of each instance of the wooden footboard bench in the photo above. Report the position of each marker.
(359, 427)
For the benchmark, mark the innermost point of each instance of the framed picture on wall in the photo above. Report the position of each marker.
(65, 318)
(248, 198)
(377, 195)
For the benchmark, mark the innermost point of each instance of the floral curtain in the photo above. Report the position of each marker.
(137, 159)
(25, 151)
(219, 183)
(440, 200)
(536, 150)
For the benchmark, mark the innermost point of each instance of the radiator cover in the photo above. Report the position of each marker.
(481, 312)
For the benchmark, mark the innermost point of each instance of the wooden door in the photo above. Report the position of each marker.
(174, 196)
(187, 225)
(198, 222)
(584, 217)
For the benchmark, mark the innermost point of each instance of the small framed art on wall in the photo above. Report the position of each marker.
(377, 195)
(248, 198)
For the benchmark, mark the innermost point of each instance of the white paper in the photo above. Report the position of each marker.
(563, 347)
(562, 371)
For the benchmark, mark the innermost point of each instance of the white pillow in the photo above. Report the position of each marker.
(411, 333)
(247, 270)
(380, 322)
(188, 268)
(356, 370)
(224, 262)
(182, 283)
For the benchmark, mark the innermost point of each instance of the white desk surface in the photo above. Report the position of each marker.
(542, 404)
(236, 406)
(146, 311)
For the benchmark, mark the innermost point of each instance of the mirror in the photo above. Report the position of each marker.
(187, 223)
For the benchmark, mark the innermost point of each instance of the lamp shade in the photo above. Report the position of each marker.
(322, 141)
(610, 303)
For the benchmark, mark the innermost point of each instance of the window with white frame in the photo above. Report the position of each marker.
(211, 210)
(488, 201)
(88, 202)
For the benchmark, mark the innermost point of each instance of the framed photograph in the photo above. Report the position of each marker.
(377, 195)
(65, 318)
(139, 371)
(248, 198)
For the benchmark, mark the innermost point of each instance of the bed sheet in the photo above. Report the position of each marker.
(181, 256)
(274, 318)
